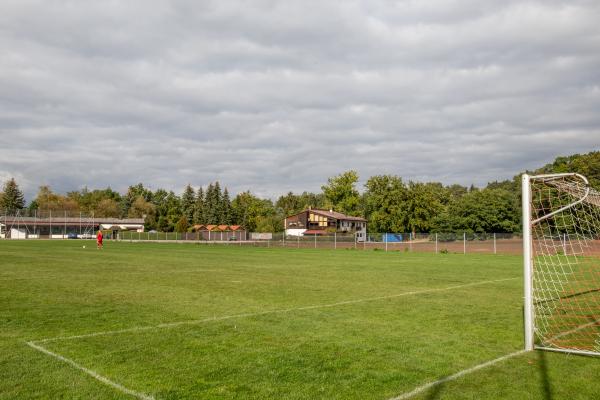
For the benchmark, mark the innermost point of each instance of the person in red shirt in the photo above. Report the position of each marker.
(99, 239)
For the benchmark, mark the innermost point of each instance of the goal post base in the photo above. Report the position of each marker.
(568, 351)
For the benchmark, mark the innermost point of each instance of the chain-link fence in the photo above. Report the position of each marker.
(464, 242)
(452, 242)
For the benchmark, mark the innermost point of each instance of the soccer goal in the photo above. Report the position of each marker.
(561, 243)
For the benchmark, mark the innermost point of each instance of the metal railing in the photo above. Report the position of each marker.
(448, 242)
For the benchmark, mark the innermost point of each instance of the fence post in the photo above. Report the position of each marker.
(335, 240)
(298, 241)
(355, 240)
(315, 240)
(385, 240)
(494, 243)
(464, 242)
(65, 224)
(565, 244)
(410, 239)
(436, 244)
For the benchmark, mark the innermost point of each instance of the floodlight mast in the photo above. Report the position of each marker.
(527, 261)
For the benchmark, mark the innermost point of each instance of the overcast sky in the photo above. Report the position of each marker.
(274, 96)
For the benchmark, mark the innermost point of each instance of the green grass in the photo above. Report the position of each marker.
(374, 349)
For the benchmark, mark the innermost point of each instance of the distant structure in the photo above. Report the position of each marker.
(321, 222)
(63, 226)
(220, 232)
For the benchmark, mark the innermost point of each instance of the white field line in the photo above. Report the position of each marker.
(91, 373)
(457, 375)
(279, 311)
(85, 275)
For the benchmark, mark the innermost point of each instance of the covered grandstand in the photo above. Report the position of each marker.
(63, 225)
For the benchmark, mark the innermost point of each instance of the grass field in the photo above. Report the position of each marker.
(169, 321)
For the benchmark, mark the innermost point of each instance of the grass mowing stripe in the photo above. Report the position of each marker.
(457, 375)
(244, 315)
(91, 373)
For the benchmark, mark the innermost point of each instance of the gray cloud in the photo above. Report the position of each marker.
(277, 96)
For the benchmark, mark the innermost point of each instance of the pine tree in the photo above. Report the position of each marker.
(133, 193)
(12, 198)
(209, 205)
(213, 205)
(188, 200)
(199, 206)
(227, 211)
(218, 202)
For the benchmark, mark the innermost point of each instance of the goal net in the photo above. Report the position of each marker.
(561, 215)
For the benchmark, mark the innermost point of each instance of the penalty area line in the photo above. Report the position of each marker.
(457, 375)
(269, 312)
(93, 374)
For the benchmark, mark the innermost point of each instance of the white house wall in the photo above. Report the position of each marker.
(295, 232)
(18, 233)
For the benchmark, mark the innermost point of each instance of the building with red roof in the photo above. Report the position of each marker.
(320, 222)
(220, 232)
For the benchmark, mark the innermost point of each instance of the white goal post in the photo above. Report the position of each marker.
(561, 251)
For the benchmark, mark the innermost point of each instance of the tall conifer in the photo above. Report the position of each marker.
(227, 211)
(188, 200)
(199, 207)
(11, 198)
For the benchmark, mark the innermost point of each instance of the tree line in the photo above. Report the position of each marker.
(388, 203)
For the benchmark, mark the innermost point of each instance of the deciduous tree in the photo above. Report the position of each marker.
(341, 194)
(384, 203)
